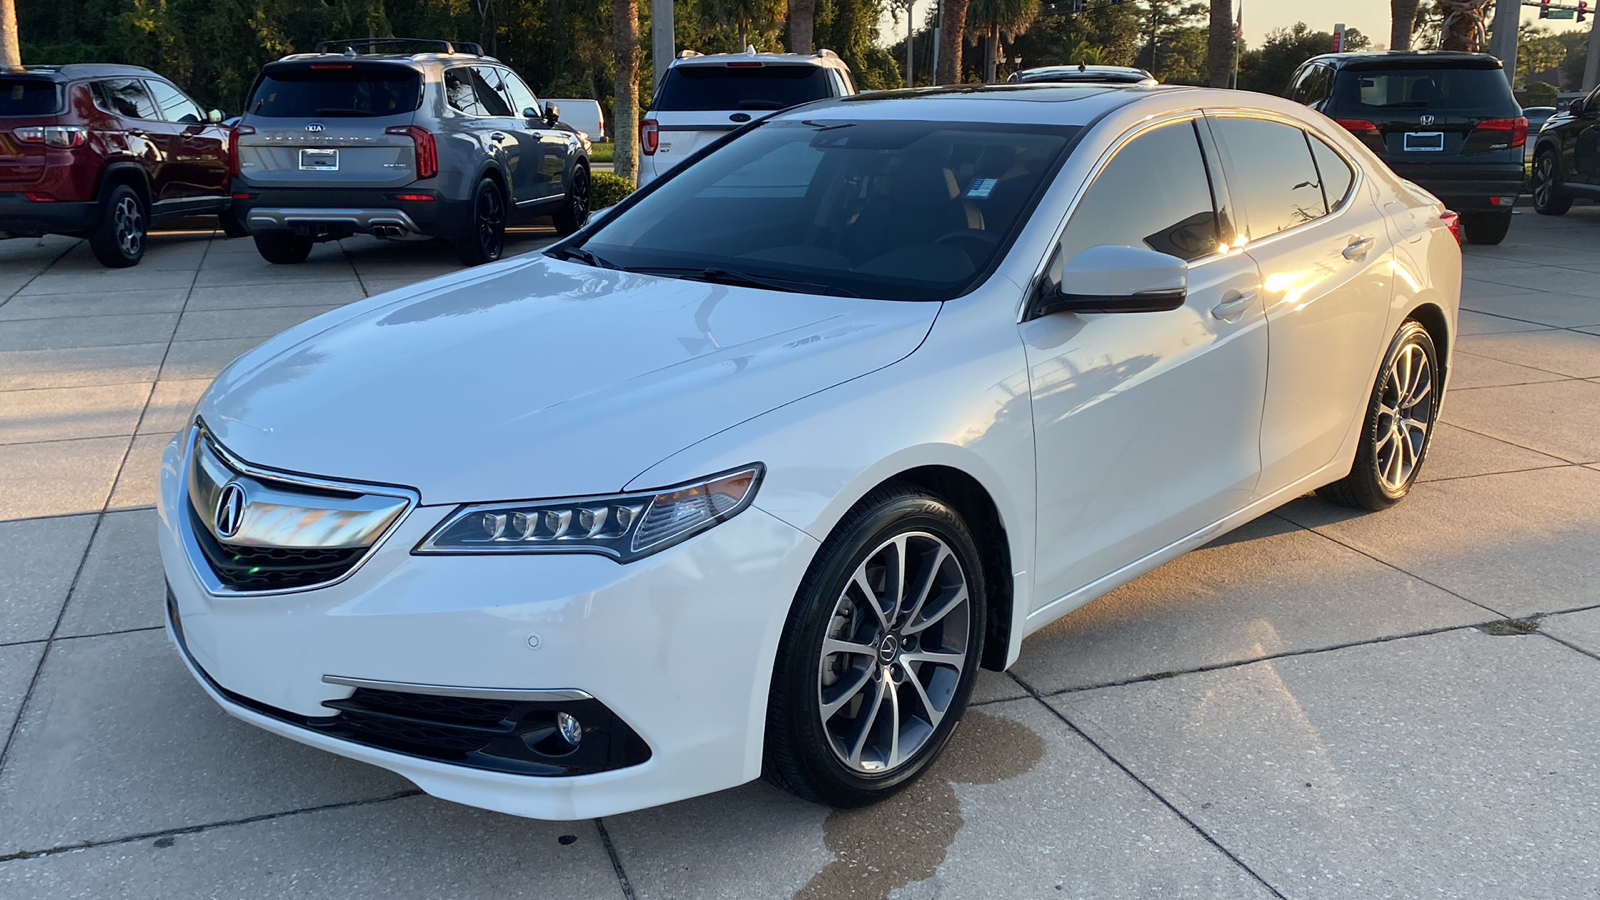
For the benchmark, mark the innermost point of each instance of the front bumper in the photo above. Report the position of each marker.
(337, 213)
(678, 646)
(21, 217)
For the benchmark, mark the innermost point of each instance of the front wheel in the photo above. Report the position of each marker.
(575, 212)
(1486, 228)
(483, 240)
(880, 652)
(1548, 197)
(1398, 425)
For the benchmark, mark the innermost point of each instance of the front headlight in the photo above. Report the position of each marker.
(622, 526)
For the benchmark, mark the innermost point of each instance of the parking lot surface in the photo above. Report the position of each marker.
(1321, 704)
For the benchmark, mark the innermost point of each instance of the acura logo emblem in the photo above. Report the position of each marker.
(1426, 120)
(230, 510)
(314, 127)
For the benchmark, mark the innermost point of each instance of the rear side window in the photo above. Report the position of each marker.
(336, 89)
(126, 97)
(1334, 173)
(1154, 194)
(757, 86)
(1369, 93)
(1312, 86)
(1272, 173)
(461, 93)
(492, 95)
(28, 97)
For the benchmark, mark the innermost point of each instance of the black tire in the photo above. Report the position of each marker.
(483, 235)
(1549, 195)
(283, 249)
(1376, 481)
(801, 755)
(574, 214)
(230, 224)
(1486, 228)
(118, 239)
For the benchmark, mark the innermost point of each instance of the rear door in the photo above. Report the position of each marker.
(699, 102)
(328, 125)
(25, 102)
(143, 133)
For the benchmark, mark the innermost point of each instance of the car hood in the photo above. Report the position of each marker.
(539, 378)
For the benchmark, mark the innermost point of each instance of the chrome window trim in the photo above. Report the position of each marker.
(442, 690)
(197, 559)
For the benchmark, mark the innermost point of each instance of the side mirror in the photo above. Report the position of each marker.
(1113, 279)
(552, 114)
(1576, 108)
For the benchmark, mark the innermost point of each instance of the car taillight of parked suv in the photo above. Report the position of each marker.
(102, 151)
(403, 139)
(702, 97)
(1444, 120)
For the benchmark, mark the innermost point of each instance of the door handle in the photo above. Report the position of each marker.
(1232, 309)
(1359, 248)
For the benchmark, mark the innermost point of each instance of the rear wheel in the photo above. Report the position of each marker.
(1398, 425)
(483, 240)
(1549, 199)
(283, 249)
(118, 239)
(1486, 228)
(575, 212)
(879, 654)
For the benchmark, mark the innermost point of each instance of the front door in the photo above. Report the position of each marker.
(1147, 425)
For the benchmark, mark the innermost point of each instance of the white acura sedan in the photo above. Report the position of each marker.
(751, 476)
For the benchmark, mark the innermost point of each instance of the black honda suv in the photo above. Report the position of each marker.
(1444, 120)
(1566, 157)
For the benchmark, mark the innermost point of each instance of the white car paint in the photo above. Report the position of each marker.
(1108, 444)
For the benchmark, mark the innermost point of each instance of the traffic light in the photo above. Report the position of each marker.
(1544, 9)
(1583, 9)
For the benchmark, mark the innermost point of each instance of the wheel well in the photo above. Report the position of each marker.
(130, 175)
(494, 175)
(977, 509)
(1432, 318)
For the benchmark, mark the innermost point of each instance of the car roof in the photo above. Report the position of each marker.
(70, 71)
(1036, 103)
(1380, 58)
(826, 58)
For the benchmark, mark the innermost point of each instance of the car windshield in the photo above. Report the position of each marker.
(28, 97)
(325, 90)
(752, 85)
(1373, 92)
(891, 210)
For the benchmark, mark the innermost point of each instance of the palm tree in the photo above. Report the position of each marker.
(1402, 18)
(10, 44)
(952, 35)
(990, 17)
(802, 22)
(1463, 25)
(745, 15)
(625, 112)
(1221, 43)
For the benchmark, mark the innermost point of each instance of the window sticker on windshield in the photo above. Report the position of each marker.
(981, 188)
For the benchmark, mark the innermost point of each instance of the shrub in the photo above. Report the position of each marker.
(1541, 94)
(608, 189)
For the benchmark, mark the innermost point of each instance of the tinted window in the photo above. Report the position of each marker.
(898, 210)
(1153, 194)
(1375, 92)
(704, 87)
(1312, 86)
(28, 97)
(175, 107)
(461, 93)
(522, 99)
(491, 92)
(349, 89)
(1273, 174)
(1334, 173)
(126, 97)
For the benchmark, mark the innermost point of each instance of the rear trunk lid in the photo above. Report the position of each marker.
(700, 102)
(328, 125)
(26, 101)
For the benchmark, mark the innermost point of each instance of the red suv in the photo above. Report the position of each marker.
(101, 151)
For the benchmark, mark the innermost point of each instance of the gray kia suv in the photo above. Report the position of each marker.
(366, 136)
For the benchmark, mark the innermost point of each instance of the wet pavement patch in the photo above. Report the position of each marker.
(904, 839)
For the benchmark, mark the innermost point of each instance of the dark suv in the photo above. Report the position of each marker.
(101, 151)
(1444, 120)
(402, 139)
(1566, 157)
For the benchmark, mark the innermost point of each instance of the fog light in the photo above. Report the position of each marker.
(570, 730)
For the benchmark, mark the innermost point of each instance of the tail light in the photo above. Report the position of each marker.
(649, 136)
(1358, 126)
(53, 135)
(1518, 128)
(427, 150)
(233, 146)
(1452, 221)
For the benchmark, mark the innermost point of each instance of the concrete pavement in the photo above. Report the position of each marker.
(1321, 704)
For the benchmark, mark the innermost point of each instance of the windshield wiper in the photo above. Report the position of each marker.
(717, 275)
(585, 256)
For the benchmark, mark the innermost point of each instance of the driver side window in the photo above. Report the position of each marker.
(1154, 194)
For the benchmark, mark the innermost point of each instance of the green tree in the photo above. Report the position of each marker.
(1269, 68)
(743, 17)
(1537, 51)
(988, 18)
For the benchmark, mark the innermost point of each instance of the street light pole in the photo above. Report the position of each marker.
(663, 38)
(1503, 42)
(1591, 66)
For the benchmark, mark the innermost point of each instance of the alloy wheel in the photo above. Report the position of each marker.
(1543, 179)
(1405, 413)
(580, 196)
(894, 652)
(128, 217)
(491, 222)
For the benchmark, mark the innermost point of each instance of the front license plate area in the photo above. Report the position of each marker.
(316, 160)
(1425, 141)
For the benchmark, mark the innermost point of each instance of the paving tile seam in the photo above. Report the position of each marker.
(110, 384)
(1150, 789)
(1559, 375)
(1569, 645)
(1543, 326)
(208, 826)
(47, 267)
(616, 861)
(140, 344)
(1502, 440)
(78, 637)
(1563, 465)
(362, 283)
(228, 309)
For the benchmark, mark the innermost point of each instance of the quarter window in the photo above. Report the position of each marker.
(175, 107)
(460, 92)
(125, 97)
(1333, 172)
(1155, 194)
(1273, 174)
